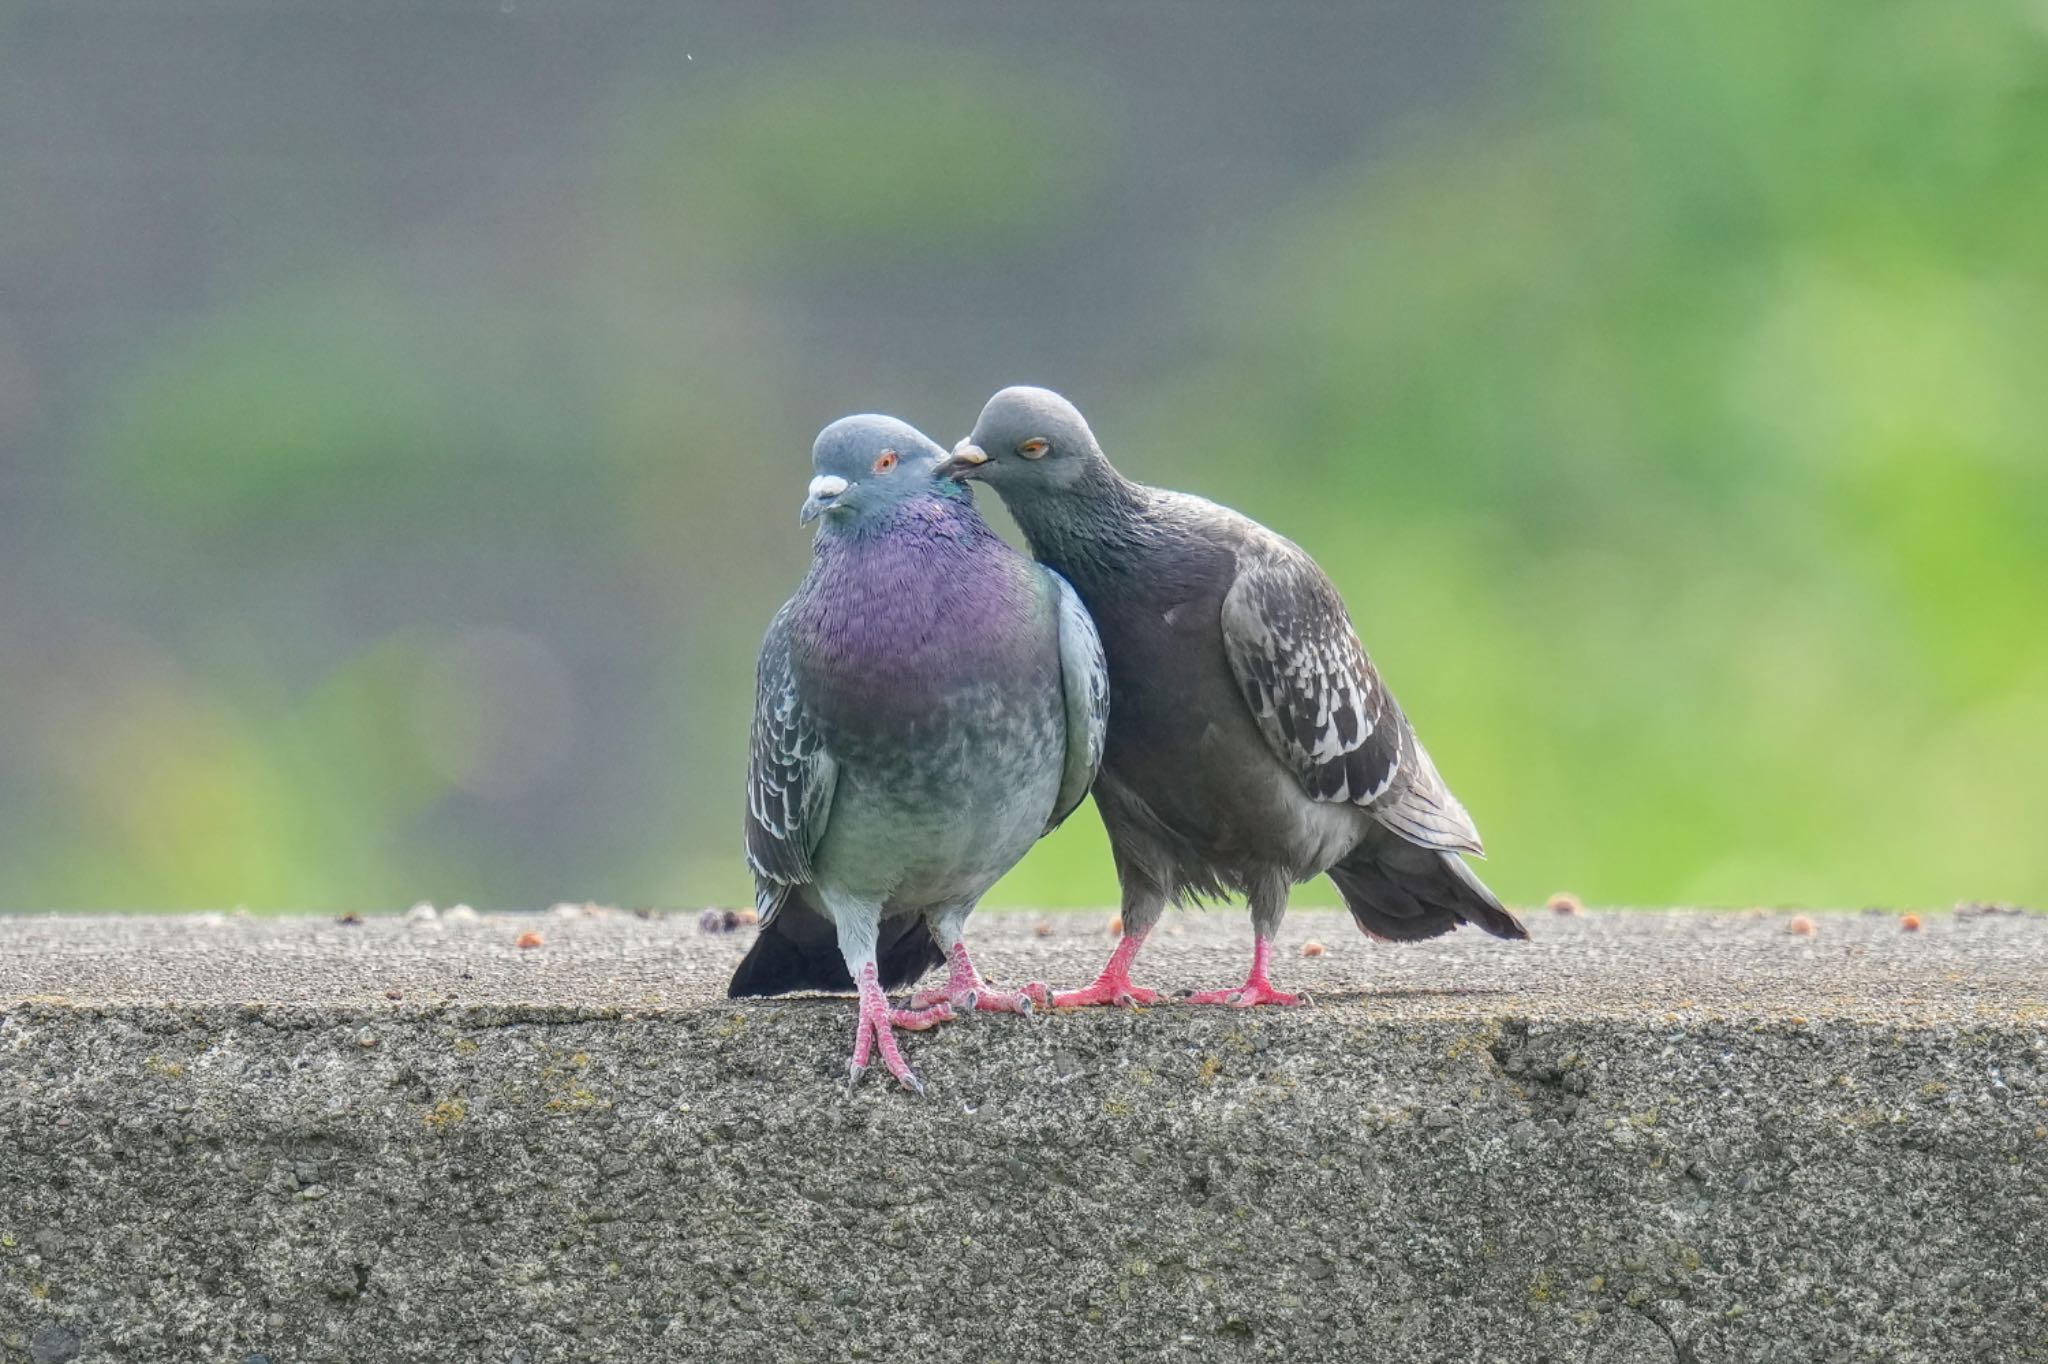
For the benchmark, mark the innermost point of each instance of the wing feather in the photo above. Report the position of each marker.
(1320, 703)
(1084, 682)
(790, 777)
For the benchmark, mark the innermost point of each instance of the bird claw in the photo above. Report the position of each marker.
(1122, 994)
(987, 999)
(1256, 990)
(875, 1027)
(917, 1020)
(1019, 1001)
(905, 1076)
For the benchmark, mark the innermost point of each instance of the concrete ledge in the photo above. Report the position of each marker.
(1644, 1137)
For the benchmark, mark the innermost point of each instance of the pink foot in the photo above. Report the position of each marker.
(875, 1030)
(965, 989)
(1120, 993)
(1257, 990)
(1113, 986)
(917, 1020)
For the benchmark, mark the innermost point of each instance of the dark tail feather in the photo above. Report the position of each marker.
(778, 963)
(799, 950)
(1400, 890)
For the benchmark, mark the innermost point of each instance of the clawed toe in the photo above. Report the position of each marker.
(967, 992)
(1113, 986)
(1121, 995)
(917, 1020)
(1257, 989)
(1012, 1001)
(875, 1025)
(985, 998)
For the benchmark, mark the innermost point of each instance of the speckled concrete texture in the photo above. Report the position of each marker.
(1642, 1137)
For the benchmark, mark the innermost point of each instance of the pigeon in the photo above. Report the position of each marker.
(1252, 744)
(927, 705)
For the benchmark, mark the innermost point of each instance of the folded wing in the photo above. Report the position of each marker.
(1320, 703)
(790, 778)
(1084, 682)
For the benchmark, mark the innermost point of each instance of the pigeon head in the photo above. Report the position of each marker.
(1028, 441)
(866, 467)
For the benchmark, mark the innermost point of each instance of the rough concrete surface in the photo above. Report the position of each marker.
(1677, 1138)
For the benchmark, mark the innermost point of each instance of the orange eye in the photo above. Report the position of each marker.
(1034, 448)
(885, 461)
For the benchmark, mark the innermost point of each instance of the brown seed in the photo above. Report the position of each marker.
(750, 917)
(1116, 927)
(1313, 949)
(394, 994)
(531, 939)
(1043, 928)
(1800, 927)
(1566, 903)
(350, 920)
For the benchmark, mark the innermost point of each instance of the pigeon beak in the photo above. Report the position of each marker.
(825, 492)
(967, 457)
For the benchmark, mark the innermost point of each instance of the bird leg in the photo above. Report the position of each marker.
(875, 1029)
(965, 989)
(1257, 990)
(1113, 986)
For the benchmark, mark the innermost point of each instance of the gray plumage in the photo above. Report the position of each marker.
(927, 705)
(1252, 743)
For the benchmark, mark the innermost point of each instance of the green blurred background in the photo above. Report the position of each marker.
(404, 411)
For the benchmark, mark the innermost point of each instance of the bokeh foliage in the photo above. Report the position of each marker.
(1700, 457)
(1670, 413)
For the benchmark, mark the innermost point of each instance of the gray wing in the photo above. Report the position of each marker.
(789, 778)
(1320, 703)
(1084, 680)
